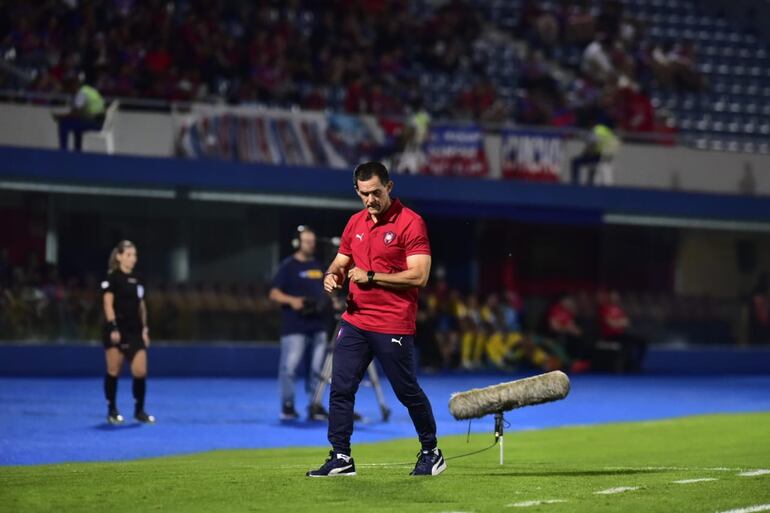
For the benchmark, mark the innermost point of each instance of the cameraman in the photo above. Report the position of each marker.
(298, 288)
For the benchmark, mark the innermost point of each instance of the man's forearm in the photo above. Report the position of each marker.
(281, 297)
(337, 270)
(411, 278)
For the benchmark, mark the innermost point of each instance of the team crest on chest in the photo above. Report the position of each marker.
(388, 238)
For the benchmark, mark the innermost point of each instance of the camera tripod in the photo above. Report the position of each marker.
(326, 376)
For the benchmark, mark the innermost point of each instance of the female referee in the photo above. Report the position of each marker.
(126, 335)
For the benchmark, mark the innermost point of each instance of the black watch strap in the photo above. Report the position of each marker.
(370, 277)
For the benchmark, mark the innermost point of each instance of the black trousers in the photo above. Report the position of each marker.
(353, 352)
(587, 159)
(634, 350)
(77, 126)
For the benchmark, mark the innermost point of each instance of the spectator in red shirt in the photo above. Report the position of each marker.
(561, 325)
(158, 60)
(613, 320)
(613, 326)
(385, 254)
(635, 110)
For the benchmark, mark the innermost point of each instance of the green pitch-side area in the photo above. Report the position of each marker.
(697, 464)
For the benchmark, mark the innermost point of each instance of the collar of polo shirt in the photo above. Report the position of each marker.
(393, 210)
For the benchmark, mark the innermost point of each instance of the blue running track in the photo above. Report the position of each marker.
(52, 420)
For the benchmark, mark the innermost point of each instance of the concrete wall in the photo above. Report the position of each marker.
(690, 169)
(637, 165)
(136, 133)
(720, 263)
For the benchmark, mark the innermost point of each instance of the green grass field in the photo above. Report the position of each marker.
(568, 464)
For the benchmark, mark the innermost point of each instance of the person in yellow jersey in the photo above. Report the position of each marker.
(472, 338)
(601, 146)
(86, 113)
(510, 347)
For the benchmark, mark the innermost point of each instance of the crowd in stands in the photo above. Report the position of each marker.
(381, 57)
(613, 61)
(495, 331)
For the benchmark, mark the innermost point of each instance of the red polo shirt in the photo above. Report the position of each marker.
(607, 314)
(560, 316)
(383, 247)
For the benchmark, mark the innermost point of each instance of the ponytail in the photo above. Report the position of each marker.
(113, 264)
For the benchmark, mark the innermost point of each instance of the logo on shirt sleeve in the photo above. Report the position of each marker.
(140, 291)
(105, 284)
(388, 238)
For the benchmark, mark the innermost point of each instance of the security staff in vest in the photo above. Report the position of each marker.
(298, 288)
(601, 146)
(86, 113)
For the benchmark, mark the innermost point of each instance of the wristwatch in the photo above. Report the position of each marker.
(370, 277)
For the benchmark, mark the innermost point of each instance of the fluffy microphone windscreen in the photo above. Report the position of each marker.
(477, 402)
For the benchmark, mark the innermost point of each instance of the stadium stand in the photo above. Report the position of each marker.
(671, 65)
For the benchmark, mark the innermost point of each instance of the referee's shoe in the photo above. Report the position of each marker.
(335, 465)
(114, 417)
(429, 463)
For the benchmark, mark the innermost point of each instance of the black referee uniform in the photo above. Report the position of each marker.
(128, 293)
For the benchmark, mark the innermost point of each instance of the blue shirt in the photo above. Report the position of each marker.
(301, 279)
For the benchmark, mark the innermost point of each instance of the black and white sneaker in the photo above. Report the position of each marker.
(429, 463)
(288, 412)
(114, 418)
(335, 465)
(317, 412)
(144, 417)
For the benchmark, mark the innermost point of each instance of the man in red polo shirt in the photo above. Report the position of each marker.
(614, 325)
(385, 254)
(562, 326)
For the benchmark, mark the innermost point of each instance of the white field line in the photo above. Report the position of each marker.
(395, 465)
(749, 509)
(619, 489)
(683, 469)
(527, 504)
(752, 473)
(698, 480)
(694, 469)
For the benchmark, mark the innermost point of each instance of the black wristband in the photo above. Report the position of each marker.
(370, 277)
(112, 325)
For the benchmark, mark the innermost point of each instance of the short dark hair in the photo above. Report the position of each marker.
(367, 170)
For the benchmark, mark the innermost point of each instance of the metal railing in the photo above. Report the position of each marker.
(735, 143)
(176, 106)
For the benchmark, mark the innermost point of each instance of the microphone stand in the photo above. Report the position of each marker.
(499, 423)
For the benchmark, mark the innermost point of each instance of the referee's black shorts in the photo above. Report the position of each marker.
(130, 342)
